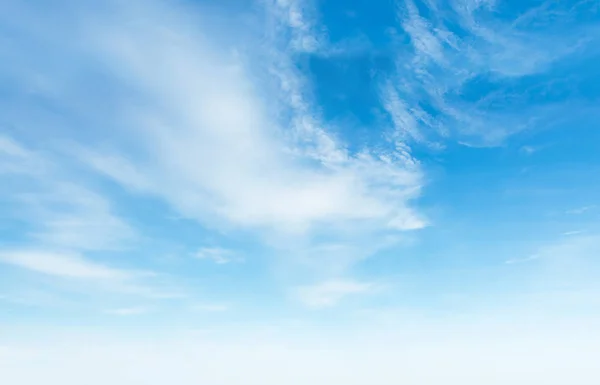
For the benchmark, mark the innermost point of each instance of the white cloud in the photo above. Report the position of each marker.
(329, 293)
(572, 249)
(238, 169)
(573, 232)
(216, 254)
(61, 212)
(566, 257)
(190, 121)
(566, 271)
(522, 260)
(15, 158)
(529, 150)
(8, 147)
(84, 221)
(299, 18)
(61, 265)
(424, 40)
(580, 210)
(426, 102)
(74, 282)
(407, 126)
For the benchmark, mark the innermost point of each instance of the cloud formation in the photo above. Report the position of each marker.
(122, 116)
(457, 80)
(218, 255)
(226, 136)
(329, 293)
(62, 213)
(70, 266)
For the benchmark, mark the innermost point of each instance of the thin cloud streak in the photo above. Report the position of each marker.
(327, 294)
(229, 167)
(62, 265)
(454, 49)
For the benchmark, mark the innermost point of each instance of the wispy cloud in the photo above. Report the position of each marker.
(86, 223)
(118, 116)
(529, 150)
(580, 210)
(456, 81)
(66, 229)
(298, 19)
(568, 265)
(218, 255)
(522, 260)
(329, 293)
(62, 265)
(60, 212)
(70, 281)
(16, 159)
(213, 165)
(573, 232)
(227, 135)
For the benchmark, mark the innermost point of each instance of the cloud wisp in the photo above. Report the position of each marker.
(217, 156)
(218, 255)
(188, 187)
(60, 265)
(327, 294)
(67, 233)
(459, 80)
(61, 212)
(227, 136)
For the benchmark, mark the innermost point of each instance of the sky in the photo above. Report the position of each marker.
(226, 192)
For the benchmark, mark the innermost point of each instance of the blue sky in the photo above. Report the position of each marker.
(276, 173)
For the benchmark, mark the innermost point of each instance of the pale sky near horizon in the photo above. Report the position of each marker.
(225, 192)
